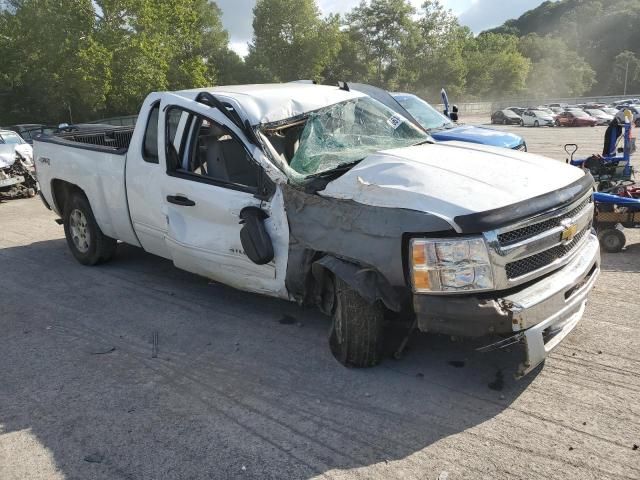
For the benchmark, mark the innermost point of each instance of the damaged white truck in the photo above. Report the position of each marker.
(322, 195)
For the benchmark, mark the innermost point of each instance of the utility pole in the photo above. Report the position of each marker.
(626, 74)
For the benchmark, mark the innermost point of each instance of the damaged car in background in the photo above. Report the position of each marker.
(17, 174)
(323, 195)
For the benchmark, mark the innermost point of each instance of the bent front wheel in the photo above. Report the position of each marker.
(356, 335)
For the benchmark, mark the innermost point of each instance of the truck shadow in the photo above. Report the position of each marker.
(242, 385)
(628, 260)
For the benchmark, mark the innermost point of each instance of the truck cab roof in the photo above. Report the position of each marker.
(270, 103)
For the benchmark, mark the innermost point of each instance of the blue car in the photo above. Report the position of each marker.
(443, 129)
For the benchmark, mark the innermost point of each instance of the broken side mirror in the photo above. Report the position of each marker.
(254, 237)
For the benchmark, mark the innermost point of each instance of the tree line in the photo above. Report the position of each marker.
(79, 60)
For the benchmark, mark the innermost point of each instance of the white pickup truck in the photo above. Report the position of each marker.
(323, 195)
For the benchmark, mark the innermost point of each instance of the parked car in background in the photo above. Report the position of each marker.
(517, 110)
(576, 118)
(324, 195)
(602, 117)
(17, 174)
(537, 118)
(506, 117)
(557, 110)
(610, 111)
(29, 131)
(546, 110)
(557, 105)
(635, 109)
(594, 106)
(628, 101)
(443, 129)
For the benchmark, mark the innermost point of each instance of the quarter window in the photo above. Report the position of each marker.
(150, 145)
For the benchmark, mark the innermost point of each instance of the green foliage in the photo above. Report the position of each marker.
(76, 60)
(80, 60)
(556, 70)
(626, 72)
(496, 66)
(290, 41)
(52, 63)
(593, 31)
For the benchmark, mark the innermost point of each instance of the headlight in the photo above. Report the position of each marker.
(448, 265)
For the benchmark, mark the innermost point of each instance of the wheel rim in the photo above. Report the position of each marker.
(79, 230)
(612, 242)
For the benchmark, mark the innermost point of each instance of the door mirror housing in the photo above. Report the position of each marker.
(254, 237)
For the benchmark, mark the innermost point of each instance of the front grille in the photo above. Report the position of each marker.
(522, 147)
(540, 260)
(520, 234)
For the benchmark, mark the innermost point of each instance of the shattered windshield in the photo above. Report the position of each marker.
(347, 132)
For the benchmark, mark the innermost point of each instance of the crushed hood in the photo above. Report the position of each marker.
(8, 153)
(451, 179)
(485, 136)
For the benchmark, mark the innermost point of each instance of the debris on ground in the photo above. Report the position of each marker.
(94, 458)
(457, 363)
(103, 351)
(287, 320)
(498, 383)
(154, 348)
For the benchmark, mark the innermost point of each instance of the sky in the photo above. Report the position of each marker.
(477, 14)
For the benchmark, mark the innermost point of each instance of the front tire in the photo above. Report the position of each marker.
(356, 335)
(612, 240)
(85, 239)
(536, 123)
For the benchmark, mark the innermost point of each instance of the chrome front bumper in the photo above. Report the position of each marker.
(545, 313)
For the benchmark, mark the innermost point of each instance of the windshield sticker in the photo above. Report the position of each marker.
(394, 121)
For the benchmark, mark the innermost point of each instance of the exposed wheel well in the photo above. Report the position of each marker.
(62, 191)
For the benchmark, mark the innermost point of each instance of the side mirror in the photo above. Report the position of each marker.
(254, 237)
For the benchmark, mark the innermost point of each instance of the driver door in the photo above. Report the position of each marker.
(211, 176)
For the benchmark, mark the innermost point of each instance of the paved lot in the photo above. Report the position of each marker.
(234, 393)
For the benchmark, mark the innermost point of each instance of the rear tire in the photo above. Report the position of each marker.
(85, 239)
(612, 240)
(536, 123)
(356, 335)
(505, 122)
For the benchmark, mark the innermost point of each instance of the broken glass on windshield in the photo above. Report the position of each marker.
(344, 133)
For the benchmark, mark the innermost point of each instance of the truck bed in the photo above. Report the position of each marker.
(115, 139)
(93, 160)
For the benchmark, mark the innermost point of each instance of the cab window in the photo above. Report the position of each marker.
(202, 149)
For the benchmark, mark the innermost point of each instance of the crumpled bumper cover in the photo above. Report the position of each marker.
(541, 315)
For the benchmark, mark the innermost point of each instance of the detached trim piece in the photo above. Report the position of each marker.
(499, 217)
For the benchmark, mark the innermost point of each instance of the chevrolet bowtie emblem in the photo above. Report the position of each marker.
(569, 232)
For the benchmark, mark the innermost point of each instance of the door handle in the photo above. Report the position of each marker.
(180, 200)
